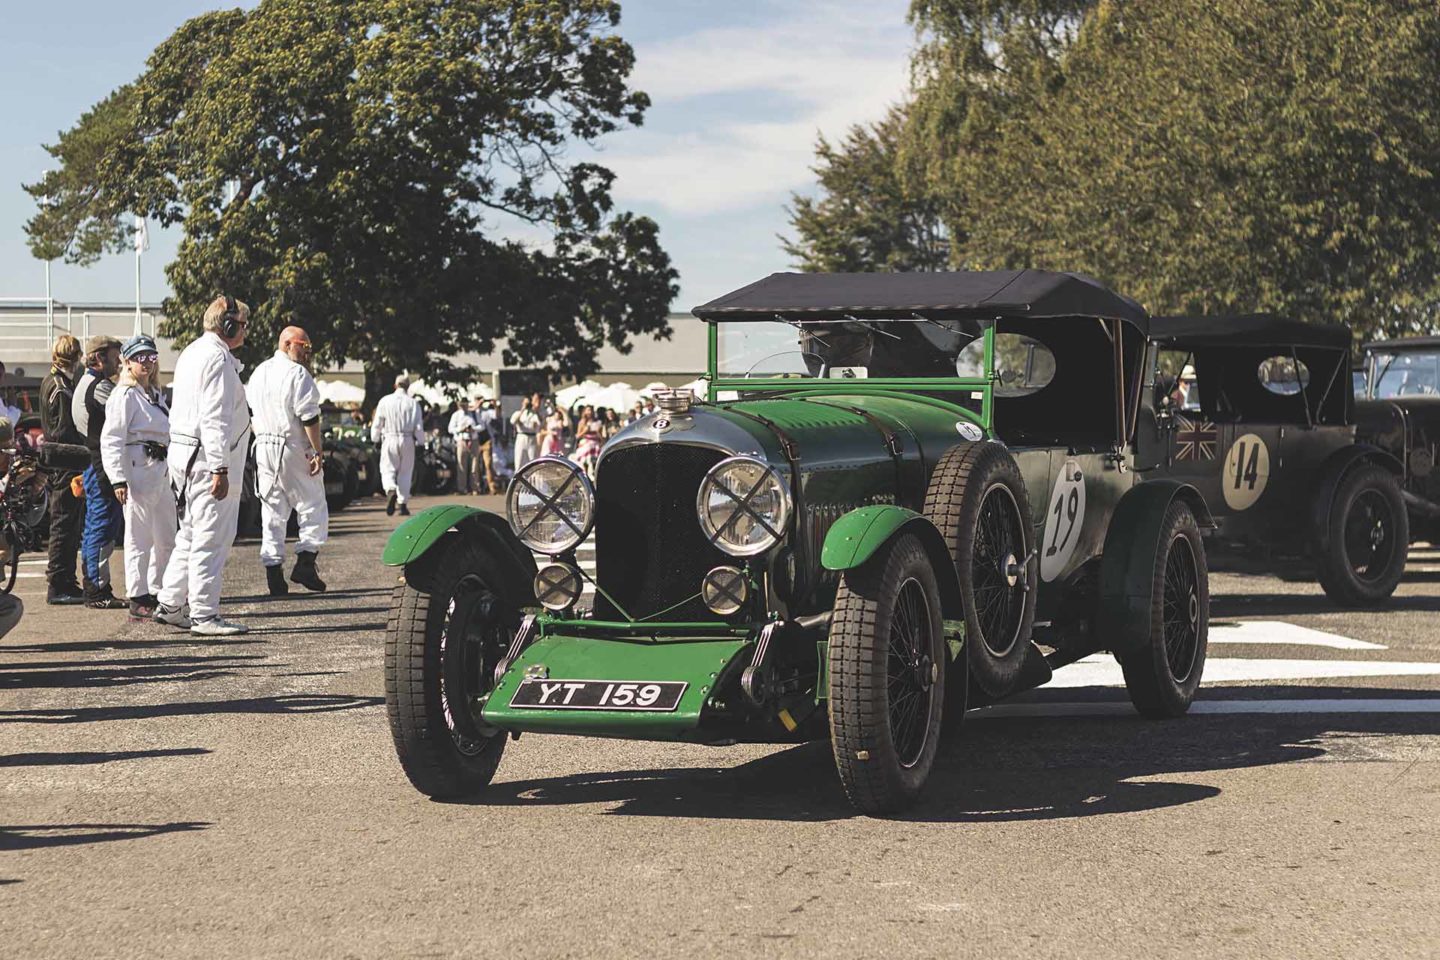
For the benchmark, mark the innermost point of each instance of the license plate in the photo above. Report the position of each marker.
(643, 695)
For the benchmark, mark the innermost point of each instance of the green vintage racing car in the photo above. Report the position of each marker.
(904, 495)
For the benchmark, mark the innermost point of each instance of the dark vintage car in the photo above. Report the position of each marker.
(1400, 413)
(1258, 413)
(899, 505)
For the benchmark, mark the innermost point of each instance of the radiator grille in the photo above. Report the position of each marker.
(649, 550)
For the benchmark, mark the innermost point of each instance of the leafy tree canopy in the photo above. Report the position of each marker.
(347, 165)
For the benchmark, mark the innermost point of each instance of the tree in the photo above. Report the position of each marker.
(349, 165)
(868, 216)
(1233, 155)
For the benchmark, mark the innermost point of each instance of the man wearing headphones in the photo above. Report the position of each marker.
(209, 425)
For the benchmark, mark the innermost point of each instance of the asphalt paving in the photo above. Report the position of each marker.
(163, 797)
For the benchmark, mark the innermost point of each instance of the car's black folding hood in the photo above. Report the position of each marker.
(1406, 343)
(874, 296)
(1256, 329)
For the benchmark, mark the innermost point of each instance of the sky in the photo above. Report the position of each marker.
(740, 90)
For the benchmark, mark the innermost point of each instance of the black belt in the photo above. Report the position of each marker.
(154, 449)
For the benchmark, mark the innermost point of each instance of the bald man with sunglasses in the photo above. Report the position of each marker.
(285, 404)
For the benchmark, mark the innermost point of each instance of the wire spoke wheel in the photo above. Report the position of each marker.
(1180, 616)
(908, 673)
(999, 594)
(472, 641)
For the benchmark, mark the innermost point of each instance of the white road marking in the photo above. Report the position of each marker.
(1275, 631)
(1214, 707)
(1101, 670)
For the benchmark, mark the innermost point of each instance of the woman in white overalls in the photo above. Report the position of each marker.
(133, 446)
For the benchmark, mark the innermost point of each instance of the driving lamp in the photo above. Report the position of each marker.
(551, 505)
(743, 505)
(558, 586)
(724, 590)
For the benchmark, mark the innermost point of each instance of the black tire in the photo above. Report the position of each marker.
(977, 500)
(1163, 676)
(473, 593)
(12, 560)
(1368, 532)
(887, 677)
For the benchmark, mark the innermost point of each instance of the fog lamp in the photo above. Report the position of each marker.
(558, 586)
(723, 590)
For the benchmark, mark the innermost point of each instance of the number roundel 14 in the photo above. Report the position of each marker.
(1064, 519)
(1247, 470)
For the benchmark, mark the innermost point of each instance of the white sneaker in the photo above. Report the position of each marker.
(172, 618)
(217, 627)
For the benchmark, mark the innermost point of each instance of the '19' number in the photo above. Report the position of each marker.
(1067, 507)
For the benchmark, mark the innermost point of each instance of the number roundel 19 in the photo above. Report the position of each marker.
(1247, 470)
(1064, 519)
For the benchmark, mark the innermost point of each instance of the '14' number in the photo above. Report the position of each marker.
(1247, 471)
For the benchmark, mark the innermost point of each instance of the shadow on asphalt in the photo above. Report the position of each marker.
(127, 672)
(998, 771)
(288, 704)
(176, 640)
(35, 836)
(311, 612)
(86, 758)
(350, 628)
(1225, 606)
(376, 592)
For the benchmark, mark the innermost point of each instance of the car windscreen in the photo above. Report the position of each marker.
(1411, 373)
(870, 349)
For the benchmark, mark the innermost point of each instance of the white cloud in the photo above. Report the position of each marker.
(822, 67)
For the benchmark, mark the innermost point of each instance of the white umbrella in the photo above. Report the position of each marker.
(650, 389)
(481, 391)
(567, 397)
(340, 392)
(699, 387)
(617, 396)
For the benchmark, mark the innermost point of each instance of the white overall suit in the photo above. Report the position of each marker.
(208, 429)
(399, 428)
(284, 397)
(133, 418)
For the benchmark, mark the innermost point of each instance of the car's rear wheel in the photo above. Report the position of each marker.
(1369, 538)
(977, 500)
(1162, 676)
(442, 644)
(887, 677)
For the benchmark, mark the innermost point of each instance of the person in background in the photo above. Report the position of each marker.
(104, 517)
(636, 412)
(209, 424)
(9, 410)
(611, 423)
(464, 428)
(134, 444)
(399, 428)
(289, 461)
(527, 422)
(588, 441)
(491, 441)
(67, 508)
(552, 441)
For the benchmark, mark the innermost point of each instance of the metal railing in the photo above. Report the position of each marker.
(30, 325)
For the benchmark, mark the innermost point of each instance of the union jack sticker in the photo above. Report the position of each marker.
(1194, 440)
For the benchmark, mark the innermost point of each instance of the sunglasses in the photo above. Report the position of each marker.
(145, 357)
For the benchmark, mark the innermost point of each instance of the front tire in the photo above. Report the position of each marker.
(442, 644)
(1369, 537)
(1162, 677)
(887, 677)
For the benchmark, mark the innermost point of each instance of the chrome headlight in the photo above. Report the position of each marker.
(744, 506)
(551, 505)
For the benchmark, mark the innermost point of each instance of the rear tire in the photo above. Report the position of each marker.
(1163, 676)
(977, 500)
(887, 677)
(442, 644)
(1368, 531)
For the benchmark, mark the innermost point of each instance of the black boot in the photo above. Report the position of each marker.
(390, 505)
(64, 594)
(275, 577)
(305, 573)
(103, 598)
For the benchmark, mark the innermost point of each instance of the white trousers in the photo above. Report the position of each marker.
(526, 449)
(285, 484)
(397, 466)
(149, 524)
(206, 532)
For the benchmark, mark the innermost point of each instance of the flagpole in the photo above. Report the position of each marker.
(142, 240)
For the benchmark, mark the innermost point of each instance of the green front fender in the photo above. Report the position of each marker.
(856, 537)
(418, 534)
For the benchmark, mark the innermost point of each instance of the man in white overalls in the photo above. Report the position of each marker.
(399, 428)
(285, 405)
(209, 426)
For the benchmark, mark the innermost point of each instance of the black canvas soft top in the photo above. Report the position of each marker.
(935, 296)
(1406, 343)
(1253, 329)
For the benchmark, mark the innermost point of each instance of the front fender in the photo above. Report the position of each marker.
(1127, 567)
(856, 536)
(410, 546)
(418, 534)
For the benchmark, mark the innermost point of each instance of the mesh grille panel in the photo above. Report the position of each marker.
(650, 552)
